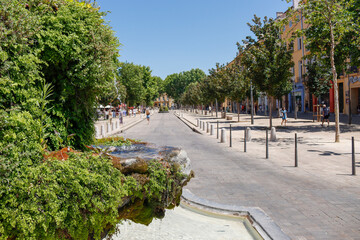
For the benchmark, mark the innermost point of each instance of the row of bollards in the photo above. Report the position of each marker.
(247, 137)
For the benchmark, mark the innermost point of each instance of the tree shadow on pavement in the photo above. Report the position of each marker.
(317, 128)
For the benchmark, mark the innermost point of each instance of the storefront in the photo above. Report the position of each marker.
(299, 95)
(353, 97)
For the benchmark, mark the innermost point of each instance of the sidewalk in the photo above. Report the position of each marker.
(319, 199)
(317, 151)
(106, 128)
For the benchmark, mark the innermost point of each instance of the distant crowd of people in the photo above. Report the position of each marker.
(114, 112)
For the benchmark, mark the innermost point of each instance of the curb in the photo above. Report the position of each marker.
(187, 124)
(265, 226)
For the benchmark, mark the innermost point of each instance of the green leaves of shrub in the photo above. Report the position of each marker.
(78, 197)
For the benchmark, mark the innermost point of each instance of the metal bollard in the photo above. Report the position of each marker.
(212, 129)
(217, 130)
(244, 140)
(230, 137)
(197, 122)
(200, 124)
(267, 144)
(207, 127)
(296, 151)
(353, 156)
(203, 127)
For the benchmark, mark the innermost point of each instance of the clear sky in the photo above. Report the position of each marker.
(171, 36)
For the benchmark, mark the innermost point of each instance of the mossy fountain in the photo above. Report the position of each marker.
(158, 175)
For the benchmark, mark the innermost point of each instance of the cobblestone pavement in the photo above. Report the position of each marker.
(318, 200)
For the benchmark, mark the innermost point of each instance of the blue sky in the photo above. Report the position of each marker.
(171, 36)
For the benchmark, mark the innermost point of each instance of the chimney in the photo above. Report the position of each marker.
(296, 4)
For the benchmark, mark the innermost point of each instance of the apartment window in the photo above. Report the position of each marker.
(293, 71)
(291, 45)
(299, 43)
(290, 23)
(300, 70)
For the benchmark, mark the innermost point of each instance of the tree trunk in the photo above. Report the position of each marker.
(336, 90)
(238, 111)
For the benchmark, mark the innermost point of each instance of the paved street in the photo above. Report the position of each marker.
(304, 204)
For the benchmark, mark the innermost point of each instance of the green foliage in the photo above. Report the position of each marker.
(79, 52)
(163, 109)
(240, 84)
(114, 93)
(192, 94)
(175, 84)
(42, 104)
(157, 180)
(131, 76)
(332, 38)
(317, 79)
(220, 82)
(267, 60)
(339, 18)
(76, 198)
(115, 141)
(56, 57)
(56, 199)
(138, 83)
(151, 85)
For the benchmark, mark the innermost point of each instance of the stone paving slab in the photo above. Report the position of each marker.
(317, 151)
(317, 200)
(319, 156)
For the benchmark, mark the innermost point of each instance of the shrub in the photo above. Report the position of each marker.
(62, 199)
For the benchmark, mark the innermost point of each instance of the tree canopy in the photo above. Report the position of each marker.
(175, 84)
(140, 85)
(267, 60)
(332, 38)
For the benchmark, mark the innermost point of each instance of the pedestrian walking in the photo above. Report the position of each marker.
(121, 116)
(148, 115)
(284, 116)
(326, 115)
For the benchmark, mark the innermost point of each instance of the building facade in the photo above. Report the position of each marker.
(163, 101)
